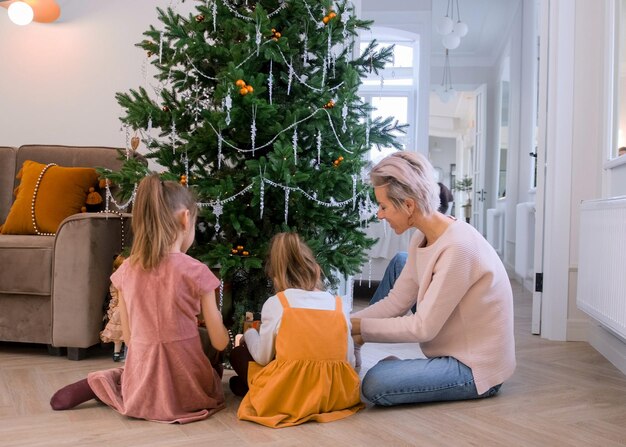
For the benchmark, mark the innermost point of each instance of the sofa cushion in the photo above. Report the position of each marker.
(26, 264)
(61, 192)
(8, 156)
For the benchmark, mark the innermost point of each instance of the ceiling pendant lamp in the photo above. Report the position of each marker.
(451, 30)
(445, 91)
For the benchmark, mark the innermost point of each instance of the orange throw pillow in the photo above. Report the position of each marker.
(61, 193)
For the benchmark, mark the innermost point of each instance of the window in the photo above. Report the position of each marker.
(393, 92)
(620, 81)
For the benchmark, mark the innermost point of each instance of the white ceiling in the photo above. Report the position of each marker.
(488, 22)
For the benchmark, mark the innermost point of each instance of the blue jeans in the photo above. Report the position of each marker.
(397, 382)
(393, 270)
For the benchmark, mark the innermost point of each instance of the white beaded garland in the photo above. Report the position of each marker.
(32, 203)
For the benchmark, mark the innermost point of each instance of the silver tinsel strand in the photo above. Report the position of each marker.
(344, 116)
(262, 197)
(160, 47)
(253, 129)
(228, 104)
(305, 54)
(257, 38)
(214, 14)
(286, 204)
(186, 161)
(270, 81)
(149, 131)
(319, 146)
(173, 136)
(127, 138)
(354, 178)
(294, 141)
(219, 150)
(290, 76)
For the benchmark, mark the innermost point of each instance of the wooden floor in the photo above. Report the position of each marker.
(562, 394)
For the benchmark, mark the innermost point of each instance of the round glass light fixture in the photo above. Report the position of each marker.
(451, 41)
(461, 29)
(445, 25)
(20, 13)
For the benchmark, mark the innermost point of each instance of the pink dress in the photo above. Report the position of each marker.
(166, 377)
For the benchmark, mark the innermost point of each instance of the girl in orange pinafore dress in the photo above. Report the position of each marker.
(310, 378)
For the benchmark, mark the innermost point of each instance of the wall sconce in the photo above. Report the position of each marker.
(22, 12)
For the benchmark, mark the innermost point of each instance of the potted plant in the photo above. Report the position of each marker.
(465, 185)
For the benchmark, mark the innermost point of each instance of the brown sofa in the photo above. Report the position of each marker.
(52, 288)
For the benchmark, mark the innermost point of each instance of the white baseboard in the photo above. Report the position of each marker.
(610, 346)
(577, 330)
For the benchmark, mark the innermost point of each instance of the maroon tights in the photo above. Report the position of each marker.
(72, 395)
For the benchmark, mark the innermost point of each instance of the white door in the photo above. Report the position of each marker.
(540, 198)
(478, 162)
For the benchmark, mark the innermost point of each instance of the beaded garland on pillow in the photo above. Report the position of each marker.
(47, 194)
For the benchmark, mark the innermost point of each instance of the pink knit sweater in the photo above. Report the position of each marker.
(464, 305)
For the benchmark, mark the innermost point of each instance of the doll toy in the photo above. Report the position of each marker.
(113, 329)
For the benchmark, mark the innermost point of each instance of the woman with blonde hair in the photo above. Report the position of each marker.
(464, 315)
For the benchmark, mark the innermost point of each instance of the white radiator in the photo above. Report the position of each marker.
(525, 239)
(495, 229)
(602, 262)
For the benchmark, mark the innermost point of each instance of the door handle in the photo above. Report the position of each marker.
(481, 195)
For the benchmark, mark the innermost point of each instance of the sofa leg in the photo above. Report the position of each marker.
(56, 351)
(76, 353)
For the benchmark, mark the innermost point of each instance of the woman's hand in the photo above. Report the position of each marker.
(356, 331)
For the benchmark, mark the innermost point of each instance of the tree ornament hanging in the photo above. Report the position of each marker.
(294, 143)
(270, 81)
(134, 142)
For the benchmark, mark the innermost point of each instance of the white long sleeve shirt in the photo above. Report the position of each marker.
(262, 344)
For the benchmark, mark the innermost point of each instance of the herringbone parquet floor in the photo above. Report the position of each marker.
(562, 394)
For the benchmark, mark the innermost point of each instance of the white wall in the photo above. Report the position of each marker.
(593, 100)
(58, 80)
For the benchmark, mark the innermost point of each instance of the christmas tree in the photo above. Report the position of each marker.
(257, 110)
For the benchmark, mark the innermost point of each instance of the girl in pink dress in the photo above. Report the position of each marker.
(167, 377)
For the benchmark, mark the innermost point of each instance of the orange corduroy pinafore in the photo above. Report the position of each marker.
(310, 379)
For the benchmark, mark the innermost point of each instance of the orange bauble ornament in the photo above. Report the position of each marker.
(240, 83)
